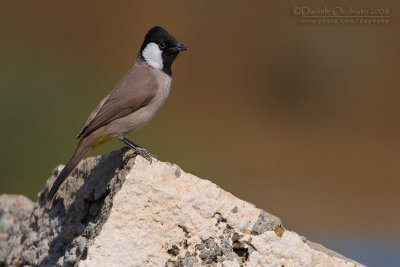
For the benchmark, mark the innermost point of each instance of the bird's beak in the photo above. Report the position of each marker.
(181, 47)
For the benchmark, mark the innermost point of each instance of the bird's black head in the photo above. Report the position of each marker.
(159, 49)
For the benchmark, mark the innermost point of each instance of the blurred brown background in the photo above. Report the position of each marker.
(302, 120)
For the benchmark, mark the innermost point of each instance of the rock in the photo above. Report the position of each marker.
(13, 211)
(265, 222)
(138, 214)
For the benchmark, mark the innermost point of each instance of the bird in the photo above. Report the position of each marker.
(132, 103)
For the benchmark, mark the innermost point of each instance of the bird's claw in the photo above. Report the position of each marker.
(144, 153)
(141, 152)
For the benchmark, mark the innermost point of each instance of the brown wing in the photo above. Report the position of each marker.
(136, 89)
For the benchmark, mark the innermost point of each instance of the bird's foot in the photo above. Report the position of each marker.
(144, 153)
(141, 152)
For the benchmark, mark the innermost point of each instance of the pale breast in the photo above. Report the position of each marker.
(142, 116)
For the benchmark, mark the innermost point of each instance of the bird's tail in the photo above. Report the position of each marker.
(81, 150)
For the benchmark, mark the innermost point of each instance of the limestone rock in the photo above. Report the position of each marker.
(13, 211)
(109, 213)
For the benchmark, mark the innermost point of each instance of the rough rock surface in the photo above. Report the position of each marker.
(13, 211)
(112, 213)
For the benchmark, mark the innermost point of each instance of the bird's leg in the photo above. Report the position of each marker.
(137, 150)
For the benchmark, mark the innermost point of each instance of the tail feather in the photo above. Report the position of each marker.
(79, 153)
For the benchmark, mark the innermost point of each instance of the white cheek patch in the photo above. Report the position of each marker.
(152, 55)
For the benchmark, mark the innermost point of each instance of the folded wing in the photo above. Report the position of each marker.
(136, 89)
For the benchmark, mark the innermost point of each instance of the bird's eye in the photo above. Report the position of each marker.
(162, 45)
